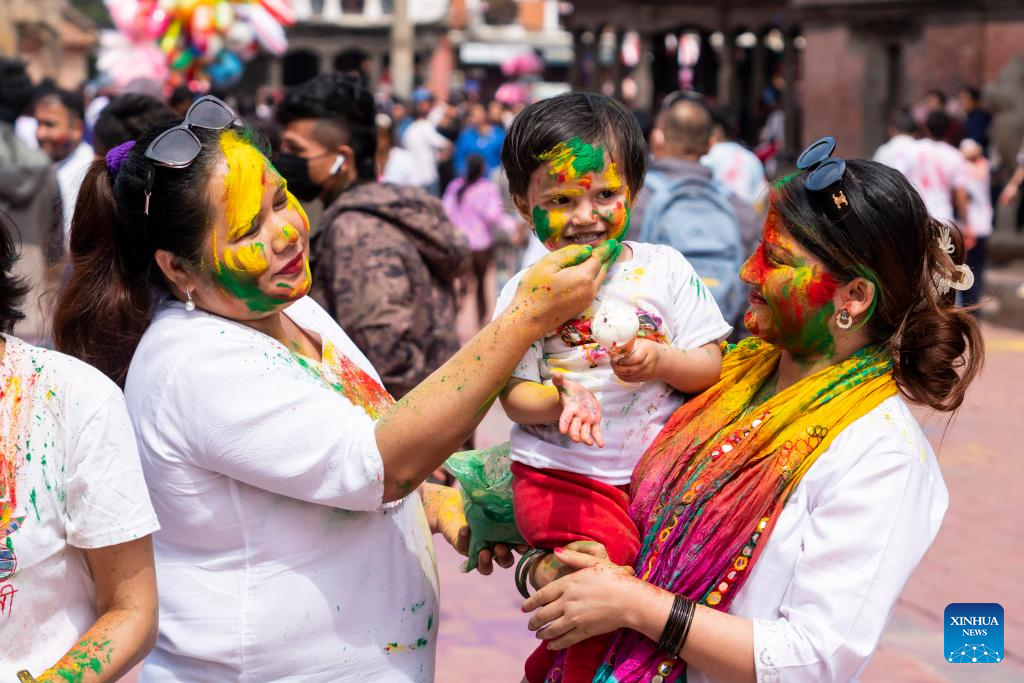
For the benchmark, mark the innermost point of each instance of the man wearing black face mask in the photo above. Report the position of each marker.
(385, 257)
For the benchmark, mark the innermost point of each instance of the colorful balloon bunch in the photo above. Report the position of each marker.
(197, 40)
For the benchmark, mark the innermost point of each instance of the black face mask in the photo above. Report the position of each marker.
(295, 170)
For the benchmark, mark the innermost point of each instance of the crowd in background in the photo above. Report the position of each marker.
(468, 236)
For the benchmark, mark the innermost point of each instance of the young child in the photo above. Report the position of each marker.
(586, 412)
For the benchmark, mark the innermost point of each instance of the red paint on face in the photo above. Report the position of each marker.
(586, 181)
(821, 289)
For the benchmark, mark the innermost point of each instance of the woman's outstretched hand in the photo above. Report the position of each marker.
(443, 508)
(561, 285)
(593, 599)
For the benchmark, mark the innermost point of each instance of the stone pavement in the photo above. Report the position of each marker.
(977, 556)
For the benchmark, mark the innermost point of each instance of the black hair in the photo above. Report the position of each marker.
(13, 288)
(341, 102)
(126, 117)
(15, 89)
(588, 116)
(905, 122)
(107, 303)
(937, 94)
(723, 116)
(972, 92)
(181, 95)
(475, 167)
(69, 99)
(885, 235)
(937, 124)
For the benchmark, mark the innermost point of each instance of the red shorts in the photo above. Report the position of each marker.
(554, 508)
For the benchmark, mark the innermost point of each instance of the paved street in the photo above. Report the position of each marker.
(976, 558)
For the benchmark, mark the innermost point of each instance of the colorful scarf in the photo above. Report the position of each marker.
(708, 491)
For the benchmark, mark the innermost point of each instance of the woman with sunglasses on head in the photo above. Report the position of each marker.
(296, 533)
(783, 510)
(77, 586)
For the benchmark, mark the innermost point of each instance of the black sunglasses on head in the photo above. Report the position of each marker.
(824, 170)
(178, 147)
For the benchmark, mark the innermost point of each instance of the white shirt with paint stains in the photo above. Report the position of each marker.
(673, 307)
(70, 480)
(277, 560)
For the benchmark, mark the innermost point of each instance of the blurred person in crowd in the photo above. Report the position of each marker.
(180, 100)
(899, 151)
(480, 137)
(682, 206)
(935, 169)
(449, 122)
(731, 163)
(1012, 187)
(60, 116)
(975, 181)
(497, 114)
(126, 117)
(77, 583)
(29, 194)
(400, 116)
(474, 205)
(936, 100)
(386, 257)
(977, 120)
(427, 146)
(394, 164)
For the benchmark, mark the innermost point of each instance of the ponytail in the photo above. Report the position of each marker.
(106, 305)
(474, 171)
(937, 348)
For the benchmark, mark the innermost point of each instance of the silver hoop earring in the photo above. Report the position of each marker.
(844, 320)
(189, 304)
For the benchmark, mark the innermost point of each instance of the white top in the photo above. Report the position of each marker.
(400, 168)
(738, 169)
(423, 142)
(277, 560)
(70, 174)
(70, 480)
(898, 153)
(673, 307)
(934, 169)
(842, 551)
(975, 179)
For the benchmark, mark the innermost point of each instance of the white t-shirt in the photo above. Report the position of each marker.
(975, 179)
(738, 169)
(70, 480)
(898, 153)
(400, 168)
(70, 174)
(934, 169)
(277, 560)
(673, 307)
(843, 548)
(423, 142)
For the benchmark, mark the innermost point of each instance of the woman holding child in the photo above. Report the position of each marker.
(295, 543)
(781, 511)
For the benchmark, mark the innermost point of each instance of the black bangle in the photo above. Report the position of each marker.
(680, 617)
(525, 566)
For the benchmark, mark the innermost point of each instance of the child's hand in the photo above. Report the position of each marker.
(581, 413)
(641, 364)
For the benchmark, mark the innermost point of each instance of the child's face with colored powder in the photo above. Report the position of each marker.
(576, 196)
(258, 251)
(791, 294)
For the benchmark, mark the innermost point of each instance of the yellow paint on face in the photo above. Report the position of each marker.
(249, 259)
(294, 205)
(243, 184)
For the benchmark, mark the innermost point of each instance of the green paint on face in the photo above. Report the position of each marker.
(246, 290)
(572, 159)
(541, 223)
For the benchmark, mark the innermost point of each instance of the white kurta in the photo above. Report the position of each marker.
(843, 548)
(276, 560)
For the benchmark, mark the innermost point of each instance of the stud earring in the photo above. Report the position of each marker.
(844, 320)
(189, 304)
